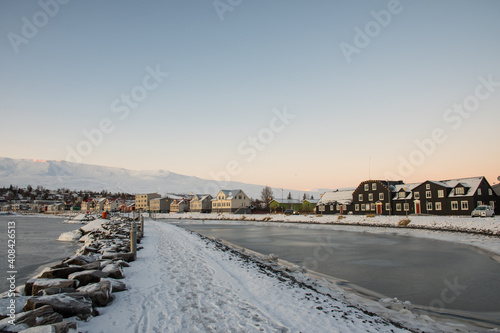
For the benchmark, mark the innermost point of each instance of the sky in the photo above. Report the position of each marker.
(291, 94)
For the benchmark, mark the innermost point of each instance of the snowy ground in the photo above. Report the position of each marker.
(183, 283)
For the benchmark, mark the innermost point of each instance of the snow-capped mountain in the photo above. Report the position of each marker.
(59, 174)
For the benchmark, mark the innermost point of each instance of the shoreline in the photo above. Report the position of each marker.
(440, 228)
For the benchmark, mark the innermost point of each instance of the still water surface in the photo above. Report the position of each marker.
(423, 271)
(36, 245)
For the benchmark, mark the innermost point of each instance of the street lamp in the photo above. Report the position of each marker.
(282, 202)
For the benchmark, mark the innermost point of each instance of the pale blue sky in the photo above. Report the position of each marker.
(226, 78)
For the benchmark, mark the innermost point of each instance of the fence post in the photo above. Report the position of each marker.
(142, 226)
(133, 239)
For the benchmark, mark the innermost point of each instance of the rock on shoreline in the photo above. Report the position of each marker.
(76, 287)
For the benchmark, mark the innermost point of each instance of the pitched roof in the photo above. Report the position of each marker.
(407, 187)
(473, 183)
(230, 193)
(343, 197)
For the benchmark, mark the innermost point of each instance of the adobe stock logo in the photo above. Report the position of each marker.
(30, 28)
(453, 118)
(373, 28)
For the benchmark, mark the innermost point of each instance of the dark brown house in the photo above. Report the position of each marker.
(455, 197)
(374, 197)
(335, 202)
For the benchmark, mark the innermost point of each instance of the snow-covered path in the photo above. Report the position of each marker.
(180, 283)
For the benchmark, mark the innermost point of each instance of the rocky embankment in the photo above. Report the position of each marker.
(77, 287)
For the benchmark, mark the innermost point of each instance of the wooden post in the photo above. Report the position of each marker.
(133, 239)
(142, 226)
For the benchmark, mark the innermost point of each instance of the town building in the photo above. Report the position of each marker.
(179, 206)
(231, 201)
(142, 200)
(160, 205)
(201, 203)
(335, 202)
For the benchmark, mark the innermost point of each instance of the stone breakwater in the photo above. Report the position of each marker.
(77, 287)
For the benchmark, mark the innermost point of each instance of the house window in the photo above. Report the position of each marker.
(490, 192)
(407, 207)
(427, 186)
(440, 193)
(454, 205)
(367, 187)
(417, 195)
(321, 208)
(370, 196)
(362, 207)
(374, 186)
(372, 206)
(402, 195)
(465, 205)
(460, 190)
(360, 197)
(368, 206)
(331, 208)
(356, 207)
(381, 196)
(479, 203)
(438, 206)
(429, 206)
(398, 207)
(387, 206)
(479, 191)
(428, 194)
(492, 204)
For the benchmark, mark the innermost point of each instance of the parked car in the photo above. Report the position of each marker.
(291, 212)
(483, 211)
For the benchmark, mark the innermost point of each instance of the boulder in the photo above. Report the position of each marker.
(68, 305)
(28, 287)
(122, 263)
(116, 286)
(60, 273)
(40, 284)
(92, 265)
(128, 257)
(79, 260)
(53, 291)
(61, 327)
(99, 293)
(12, 305)
(86, 277)
(42, 315)
(114, 271)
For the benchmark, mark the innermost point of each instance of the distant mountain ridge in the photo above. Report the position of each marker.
(53, 174)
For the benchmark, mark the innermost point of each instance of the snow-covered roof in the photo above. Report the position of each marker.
(407, 187)
(313, 201)
(230, 193)
(201, 197)
(439, 183)
(472, 183)
(343, 197)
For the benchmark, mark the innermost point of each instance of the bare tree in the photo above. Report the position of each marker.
(266, 196)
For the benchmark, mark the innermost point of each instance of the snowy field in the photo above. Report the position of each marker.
(184, 283)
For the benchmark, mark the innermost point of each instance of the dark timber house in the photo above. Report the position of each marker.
(381, 197)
